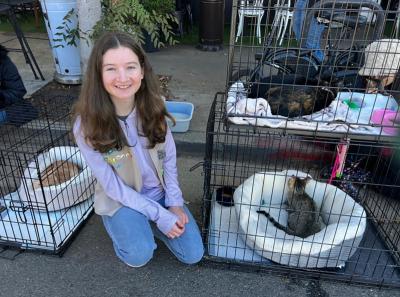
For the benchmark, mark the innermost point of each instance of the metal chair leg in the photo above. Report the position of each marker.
(240, 27)
(259, 29)
(23, 50)
(29, 57)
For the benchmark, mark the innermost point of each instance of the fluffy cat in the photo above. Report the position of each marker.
(57, 173)
(296, 101)
(303, 216)
(294, 96)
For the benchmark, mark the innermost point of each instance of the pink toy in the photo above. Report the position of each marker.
(341, 153)
(389, 119)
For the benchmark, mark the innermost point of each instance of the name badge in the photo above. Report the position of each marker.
(161, 154)
(114, 156)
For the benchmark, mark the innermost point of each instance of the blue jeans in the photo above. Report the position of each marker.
(133, 238)
(3, 116)
(314, 33)
(18, 113)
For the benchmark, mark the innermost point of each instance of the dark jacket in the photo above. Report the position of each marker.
(12, 88)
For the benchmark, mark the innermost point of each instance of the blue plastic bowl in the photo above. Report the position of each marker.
(182, 113)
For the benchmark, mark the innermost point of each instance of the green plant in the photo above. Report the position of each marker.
(159, 6)
(135, 18)
(70, 35)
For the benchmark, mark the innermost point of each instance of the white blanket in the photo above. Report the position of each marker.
(337, 117)
(40, 230)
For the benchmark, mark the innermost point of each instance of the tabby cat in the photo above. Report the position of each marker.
(303, 214)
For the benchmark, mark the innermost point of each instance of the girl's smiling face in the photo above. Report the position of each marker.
(122, 74)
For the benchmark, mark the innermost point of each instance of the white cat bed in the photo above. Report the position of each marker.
(344, 218)
(59, 196)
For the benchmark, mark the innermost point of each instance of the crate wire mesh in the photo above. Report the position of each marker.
(254, 144)
(317, 67)
(234, 154)
(39, 211)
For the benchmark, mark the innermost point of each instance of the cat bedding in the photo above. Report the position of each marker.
(60, 189)
(348, 112)
(39, 229)
(344, 221)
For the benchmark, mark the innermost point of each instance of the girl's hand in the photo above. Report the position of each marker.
(181, 214)
(179, 227)
(175, 231)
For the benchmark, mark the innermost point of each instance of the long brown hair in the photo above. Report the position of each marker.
(99, 122)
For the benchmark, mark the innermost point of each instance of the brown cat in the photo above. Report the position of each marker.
(303, 214)
(293, 95)
(57, 173)
(295, 101)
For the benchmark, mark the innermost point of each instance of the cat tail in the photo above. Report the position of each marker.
(275, 222)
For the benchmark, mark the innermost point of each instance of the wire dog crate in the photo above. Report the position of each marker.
(298, 109)
(244, 169)
(46, 187)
